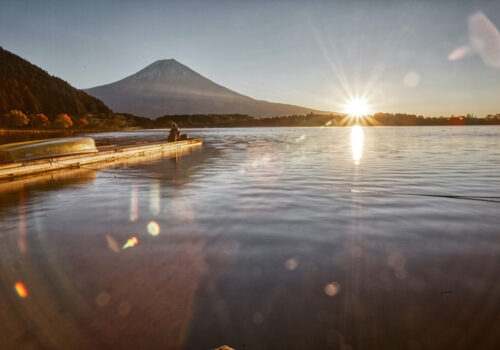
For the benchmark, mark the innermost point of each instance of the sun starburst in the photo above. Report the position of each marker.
(357, 107)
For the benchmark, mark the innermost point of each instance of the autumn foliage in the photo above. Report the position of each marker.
(16, 118)
(82, 123)
(39, 121)
(63, 121)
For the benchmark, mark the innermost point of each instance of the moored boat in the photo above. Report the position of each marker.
(30, 150)
(106, 155)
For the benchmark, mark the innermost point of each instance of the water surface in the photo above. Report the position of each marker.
(266, 238)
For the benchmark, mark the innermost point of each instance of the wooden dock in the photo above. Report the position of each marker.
(105, 155)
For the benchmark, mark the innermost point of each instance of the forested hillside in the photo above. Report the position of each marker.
(26, 87)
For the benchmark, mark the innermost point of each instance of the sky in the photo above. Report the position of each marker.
(429, 58)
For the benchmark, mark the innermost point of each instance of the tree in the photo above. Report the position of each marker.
(40, 121)
(82, 123)
(17, 118)
(63, 121)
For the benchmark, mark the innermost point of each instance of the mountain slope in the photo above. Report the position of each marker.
(27, 87)
(167, 87)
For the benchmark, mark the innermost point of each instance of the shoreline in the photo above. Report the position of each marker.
(91, 131)
(62, 131)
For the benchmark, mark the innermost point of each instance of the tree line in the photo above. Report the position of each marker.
(17, 119)
(378, 119)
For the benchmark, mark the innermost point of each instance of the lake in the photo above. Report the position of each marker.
(264, 238)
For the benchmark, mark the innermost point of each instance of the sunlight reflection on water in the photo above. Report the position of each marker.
(357, 137)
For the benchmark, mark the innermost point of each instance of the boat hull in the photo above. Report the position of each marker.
(23, 151)
(106, 156)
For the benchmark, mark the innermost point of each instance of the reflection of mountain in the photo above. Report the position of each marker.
(169, 87)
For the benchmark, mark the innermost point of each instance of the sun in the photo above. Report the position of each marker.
(357, 107)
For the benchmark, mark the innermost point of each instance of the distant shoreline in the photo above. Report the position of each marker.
(92, 131)
(62, 131)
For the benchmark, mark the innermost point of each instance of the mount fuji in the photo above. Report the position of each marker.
(167, 87)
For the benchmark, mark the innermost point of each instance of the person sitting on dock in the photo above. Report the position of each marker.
(175, 133)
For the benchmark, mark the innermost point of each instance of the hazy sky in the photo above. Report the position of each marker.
(310, 53)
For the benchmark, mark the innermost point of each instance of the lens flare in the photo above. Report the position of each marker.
(183, 209)
(155, 197)
(21, 241)
(332, 289)
(485, 39)
(134, 203)
(130, 243)
(153, 228)
(21, 290)
(264, 163)
(112, 244)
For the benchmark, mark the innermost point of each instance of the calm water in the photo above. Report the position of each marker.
(281, 238)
